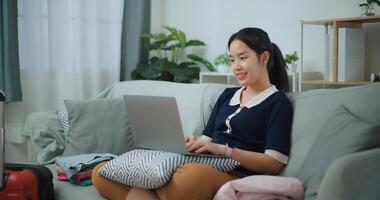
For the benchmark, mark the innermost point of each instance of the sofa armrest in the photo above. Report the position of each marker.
(355, 176)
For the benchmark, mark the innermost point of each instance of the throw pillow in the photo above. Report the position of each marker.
(343, 133)
(98, 126)
(64, 118)
(152, 169)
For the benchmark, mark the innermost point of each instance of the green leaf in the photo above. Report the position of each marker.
(149, 70)
(183, 72)
(181, 37)
(186, 64)
(171, 30)
(195, 43)
(136, 74)
(188, 74)
(201, 60)
(291, 58)
(169, 48)
(173, 68)
(157, 36)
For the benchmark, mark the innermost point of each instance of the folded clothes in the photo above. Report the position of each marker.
(86, 182)
(72, 165)
(78, 176)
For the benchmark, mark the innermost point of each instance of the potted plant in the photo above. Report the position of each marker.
(167, 61)
(222, 63)
(368, 8)
(290, 60)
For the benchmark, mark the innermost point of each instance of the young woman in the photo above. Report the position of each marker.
(250, 124)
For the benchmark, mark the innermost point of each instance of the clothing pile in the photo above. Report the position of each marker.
(78, 169)
(262, 187)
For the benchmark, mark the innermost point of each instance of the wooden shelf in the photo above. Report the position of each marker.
(351, 22)
(323, 82)
(360, 20)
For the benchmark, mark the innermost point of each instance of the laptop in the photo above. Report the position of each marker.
(156, 124)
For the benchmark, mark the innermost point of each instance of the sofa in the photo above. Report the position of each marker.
(335, 144)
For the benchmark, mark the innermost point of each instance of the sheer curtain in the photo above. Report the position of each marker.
(69, 49)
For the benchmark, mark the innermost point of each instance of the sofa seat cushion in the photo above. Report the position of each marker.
(66, 190)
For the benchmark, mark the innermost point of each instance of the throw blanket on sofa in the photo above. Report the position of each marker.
(261, 187)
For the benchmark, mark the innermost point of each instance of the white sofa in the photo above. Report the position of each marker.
(335, 135)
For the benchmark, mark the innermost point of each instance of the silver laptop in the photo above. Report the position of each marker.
(156, 123)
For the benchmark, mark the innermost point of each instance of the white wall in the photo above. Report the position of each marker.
(213, 21)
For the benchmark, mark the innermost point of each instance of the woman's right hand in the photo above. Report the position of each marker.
(193, 144)
(189, 141)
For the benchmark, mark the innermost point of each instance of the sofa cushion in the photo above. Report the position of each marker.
(343, 133)
(98, 126)
(311, 109)
(363, 101)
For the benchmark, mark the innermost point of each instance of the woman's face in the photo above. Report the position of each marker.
(247, 66)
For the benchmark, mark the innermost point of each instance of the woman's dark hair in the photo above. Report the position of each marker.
(258, 40)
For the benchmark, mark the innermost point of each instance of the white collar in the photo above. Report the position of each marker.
(235, 100)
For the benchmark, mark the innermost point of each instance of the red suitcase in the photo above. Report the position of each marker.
(22, 181)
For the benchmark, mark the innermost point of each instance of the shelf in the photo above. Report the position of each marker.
(229, 78)
(351, 22)
(360, 20)
(323, 82)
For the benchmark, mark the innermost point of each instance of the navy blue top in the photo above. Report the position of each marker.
(263, 126)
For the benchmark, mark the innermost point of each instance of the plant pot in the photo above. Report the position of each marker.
(166, 76)
(292, 67)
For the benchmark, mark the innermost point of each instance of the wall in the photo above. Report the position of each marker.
(213, 21)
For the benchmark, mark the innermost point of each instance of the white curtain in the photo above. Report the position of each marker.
(69, 49)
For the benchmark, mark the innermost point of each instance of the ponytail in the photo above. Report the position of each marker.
(277, 69)
(258, 40)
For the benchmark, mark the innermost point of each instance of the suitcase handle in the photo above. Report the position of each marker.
(2, 96)
(2, 138)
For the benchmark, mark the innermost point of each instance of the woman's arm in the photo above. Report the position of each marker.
(258, 162)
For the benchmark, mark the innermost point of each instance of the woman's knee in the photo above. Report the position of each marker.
(108, 188)
(194, 181)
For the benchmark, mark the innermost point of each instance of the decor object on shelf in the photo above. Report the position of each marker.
(351, 57)
(368, 8)
(374, 77)
(291, 60)
(168, 62)
(222, 63)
